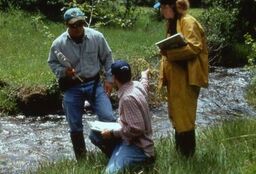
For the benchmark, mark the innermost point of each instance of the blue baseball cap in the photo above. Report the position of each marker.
(164, 2)
(157, 5)
(73, 15)
(120, 67)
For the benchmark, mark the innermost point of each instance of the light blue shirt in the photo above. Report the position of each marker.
(86, 58)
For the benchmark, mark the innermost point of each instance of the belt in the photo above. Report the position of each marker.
(67, 82)
(86, 80)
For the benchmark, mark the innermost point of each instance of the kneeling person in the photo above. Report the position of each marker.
(136, 145)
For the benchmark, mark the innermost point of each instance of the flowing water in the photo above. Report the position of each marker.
(26, 143)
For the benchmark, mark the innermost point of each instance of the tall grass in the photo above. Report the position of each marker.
(251, 91)
(221, 149)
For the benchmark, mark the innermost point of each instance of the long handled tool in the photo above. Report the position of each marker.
(64, 61)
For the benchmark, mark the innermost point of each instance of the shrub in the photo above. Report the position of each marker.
(252, 55)
(156, 97)
(235, 55)
(245, 18)
(148, 3)
(50, 8)
(114, 13)
(251, 93)
(8, 100)
(219, 27)
(226, 22)
(101, 12)
(196, 3)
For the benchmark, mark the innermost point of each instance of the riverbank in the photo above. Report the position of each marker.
(228, 147)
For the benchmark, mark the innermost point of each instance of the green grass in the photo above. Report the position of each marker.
(24, 49)
(251, 91)
(138, 41)
(26, 40)
(226, 148)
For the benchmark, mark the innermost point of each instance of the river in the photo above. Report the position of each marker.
(26, 143)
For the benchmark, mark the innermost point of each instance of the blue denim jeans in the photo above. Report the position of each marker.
(74, 99)
(123, 157)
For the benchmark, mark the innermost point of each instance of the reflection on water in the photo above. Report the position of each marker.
(27, 142)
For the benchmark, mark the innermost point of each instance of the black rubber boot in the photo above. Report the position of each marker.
(77, 139)
(185, 143)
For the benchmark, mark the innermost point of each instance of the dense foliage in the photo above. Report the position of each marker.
(226, 22)
(252, 55)
(219, 27)
(245, 15)
(114, 12)
(251, 92)
(50, 8)
(101, 12)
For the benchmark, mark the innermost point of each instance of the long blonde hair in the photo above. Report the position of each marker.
(182, 6)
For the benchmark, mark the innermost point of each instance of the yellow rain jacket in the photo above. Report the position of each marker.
(184, 70)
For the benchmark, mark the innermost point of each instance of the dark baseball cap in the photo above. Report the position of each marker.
(120, 67)
(73, 15)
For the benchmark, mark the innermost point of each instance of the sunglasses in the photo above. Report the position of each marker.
(76, 25)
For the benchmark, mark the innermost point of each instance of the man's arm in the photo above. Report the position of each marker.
(105, 55)
(58, 69)
(133, 124)
(144, 79)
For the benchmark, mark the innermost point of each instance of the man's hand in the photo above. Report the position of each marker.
(106, 134)
(70, 72)
(144, 74)
(108, 87)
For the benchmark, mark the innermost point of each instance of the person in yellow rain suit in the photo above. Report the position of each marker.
(184, 71)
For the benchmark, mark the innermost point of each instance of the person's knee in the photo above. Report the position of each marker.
(112, 169)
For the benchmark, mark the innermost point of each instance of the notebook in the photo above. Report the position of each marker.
(174, 41)
(100, 126)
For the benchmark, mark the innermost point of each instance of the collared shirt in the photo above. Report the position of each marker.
(135, 117)
(86, 57)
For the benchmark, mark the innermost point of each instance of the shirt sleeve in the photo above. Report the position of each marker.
(105, 55)
(194, 45)
(55, 65)
(132, 120)
(144, 82)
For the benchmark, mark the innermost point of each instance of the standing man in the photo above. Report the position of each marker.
(76, 58)
(136, 145)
